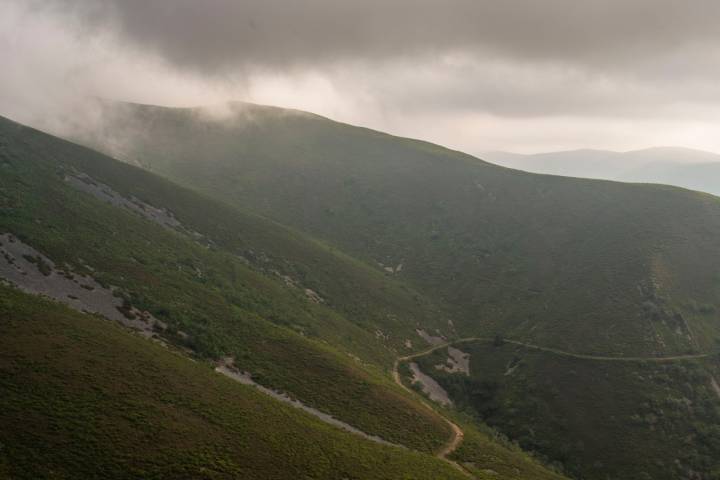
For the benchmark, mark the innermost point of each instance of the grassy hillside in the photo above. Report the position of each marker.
(365, 296)
(586, 266)
(83, 398)
(487, 459)
(598, 419)
(214, 302)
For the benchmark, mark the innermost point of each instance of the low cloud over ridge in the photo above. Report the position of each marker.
(476, 75)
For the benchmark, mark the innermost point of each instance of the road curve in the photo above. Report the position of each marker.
(457, 433)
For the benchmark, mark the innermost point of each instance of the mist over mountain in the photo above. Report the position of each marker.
(474, 75)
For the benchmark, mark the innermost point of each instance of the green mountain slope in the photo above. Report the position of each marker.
(214, 303)
(578, 266)
(585, 266)
(211, 284)
(84, 399)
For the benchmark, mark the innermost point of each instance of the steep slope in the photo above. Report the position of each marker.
(208, 287)
(386, 308)
(84, 399)
(158, 273)
(580, 265)
(682, 167)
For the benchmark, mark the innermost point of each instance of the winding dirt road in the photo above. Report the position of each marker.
(457, 434)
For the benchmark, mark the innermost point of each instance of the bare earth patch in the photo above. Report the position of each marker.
(31, 271)
(429, 386)
(457, 362)
(432, 340)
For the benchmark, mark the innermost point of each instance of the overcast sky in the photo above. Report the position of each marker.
(476, 75)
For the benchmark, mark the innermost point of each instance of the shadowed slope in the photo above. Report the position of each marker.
(584, 266)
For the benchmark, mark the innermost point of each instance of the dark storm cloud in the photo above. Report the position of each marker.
(473, 74)
(220, 35)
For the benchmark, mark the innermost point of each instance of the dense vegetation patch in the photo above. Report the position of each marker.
(595, 419)
(214, 302)
(83, 398)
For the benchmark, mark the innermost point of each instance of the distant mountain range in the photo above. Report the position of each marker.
(682, 167)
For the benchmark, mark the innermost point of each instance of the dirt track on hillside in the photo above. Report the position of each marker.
(457, 433)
